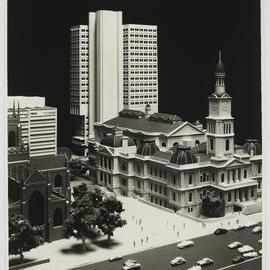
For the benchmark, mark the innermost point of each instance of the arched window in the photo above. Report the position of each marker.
(58, 181)
(190, 197)
(222, 177)
(211, 144)
(57, 217)
(11, 139)
(197, 142)
(175, 144)
(164, 144)
(227, 147)
(36, 209)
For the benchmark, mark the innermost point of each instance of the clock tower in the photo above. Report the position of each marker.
(220, 130)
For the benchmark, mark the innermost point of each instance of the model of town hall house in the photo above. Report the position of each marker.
(175, 164)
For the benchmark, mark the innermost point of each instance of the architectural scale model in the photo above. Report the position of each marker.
(175, 164)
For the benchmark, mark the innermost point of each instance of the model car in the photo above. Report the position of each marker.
(235, 244)
(186, 243)
(220, 231)
(177, 261)
(239, 227)
(129, 262)
(134, 266)
(131, 265)
(257, 229)
(238, 259)
(251, 254)
(205, 261)
(115, 258)
(251, 224)
(195, 267)
(245, 249)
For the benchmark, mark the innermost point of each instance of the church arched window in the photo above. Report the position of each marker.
(58, 181)
(11, 139)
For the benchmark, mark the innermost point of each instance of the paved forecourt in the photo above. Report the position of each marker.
(147, 227)
(211, 246)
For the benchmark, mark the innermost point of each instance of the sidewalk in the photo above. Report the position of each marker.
(147, 227)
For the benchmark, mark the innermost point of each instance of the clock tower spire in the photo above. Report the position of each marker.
(220, 130)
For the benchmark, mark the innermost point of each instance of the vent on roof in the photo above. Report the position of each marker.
(131, 114)
(165, 118)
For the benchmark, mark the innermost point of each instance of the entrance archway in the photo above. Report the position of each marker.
(36, 209)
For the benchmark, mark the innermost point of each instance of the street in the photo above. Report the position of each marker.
(211, 246)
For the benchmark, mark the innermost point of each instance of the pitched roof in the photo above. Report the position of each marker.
(47, 162)
(143, 124)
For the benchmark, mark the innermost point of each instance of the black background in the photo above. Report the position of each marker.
(190, 33)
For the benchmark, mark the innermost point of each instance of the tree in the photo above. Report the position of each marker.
(109, 217)
(22, 236)
(213, 205)
(84, 212)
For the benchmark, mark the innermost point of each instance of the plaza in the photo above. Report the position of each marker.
(147, 227)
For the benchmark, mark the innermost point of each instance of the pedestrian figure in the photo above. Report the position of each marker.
(146, 239)
(178, 234)
(142, 241)
(140, 222)
(134, 243)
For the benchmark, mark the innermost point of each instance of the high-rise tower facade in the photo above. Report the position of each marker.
(220, 129)
(140, 67)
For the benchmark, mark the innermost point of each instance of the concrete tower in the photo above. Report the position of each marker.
(220, 129)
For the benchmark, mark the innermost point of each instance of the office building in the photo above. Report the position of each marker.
(38, 124)
(140, 68)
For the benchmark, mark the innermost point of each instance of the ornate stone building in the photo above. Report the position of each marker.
(135, 156)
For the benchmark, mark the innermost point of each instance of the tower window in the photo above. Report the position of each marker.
(222, 177)
(190, 180)
(190, 197)
(227, 145)
(211, 144)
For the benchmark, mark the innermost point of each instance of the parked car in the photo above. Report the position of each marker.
(257, 229)
(251, 224)
(251, 254)
(186, 243)
(205, 261)
(177, 261)
(129, 262)
(260, 241)
(239, 227)
(115, 258)
(195, 267)
(131, 265)
(235, 244)
(260, 251)
(220, 231)
(135, 266)
(245, 249)
(238, 259)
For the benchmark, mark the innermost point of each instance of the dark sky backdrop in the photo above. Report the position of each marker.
(190, 33)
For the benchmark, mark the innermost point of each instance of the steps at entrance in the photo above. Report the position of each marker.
(252, 209)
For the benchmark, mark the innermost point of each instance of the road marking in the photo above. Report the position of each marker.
(237, 264)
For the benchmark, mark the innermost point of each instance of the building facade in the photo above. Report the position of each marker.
(38, 124)
(39, 186)
(180, 177)
(140, 68)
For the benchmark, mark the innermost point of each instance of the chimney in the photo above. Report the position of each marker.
(124, 141)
